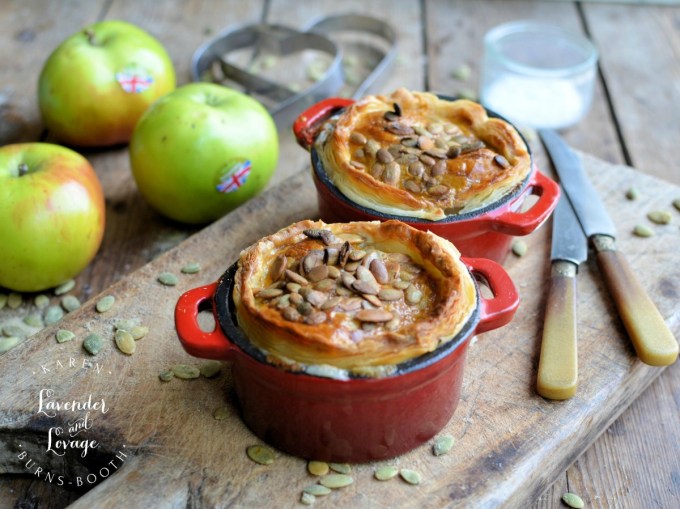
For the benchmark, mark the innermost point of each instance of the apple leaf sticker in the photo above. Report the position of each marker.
(235, 177)
(134, 80)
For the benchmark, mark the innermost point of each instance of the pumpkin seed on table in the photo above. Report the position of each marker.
(385, 473)
(210, 369)
(105, 303)
(138, 332)
(6, 344)
(13, 330)
(659, 217)
(124, 324)
(70, 303)
(307, 499)
(632, 193)
(65, 287)
(167, 279)
(461, 73)
(53, 314)
(125, 342)
(33, 320)
(191, 268)
(519, 248)
(573, 500)
(41, 301)
(676, 203)
(642, 230)
(221, 413)
(260, 454)
(93, 343)
(410, 476)
(317, 468)
(341, 468)
(317, 490)
(166, 376)
(14, 300)
(442, 445)
(64, 335)
(336, 480)
(185, 372)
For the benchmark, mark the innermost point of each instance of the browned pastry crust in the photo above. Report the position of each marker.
(436, 165)
(438, 294)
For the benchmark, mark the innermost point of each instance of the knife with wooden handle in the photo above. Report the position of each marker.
(653, 341)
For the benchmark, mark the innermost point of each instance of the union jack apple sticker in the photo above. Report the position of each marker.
(236, 175)
(134, 79)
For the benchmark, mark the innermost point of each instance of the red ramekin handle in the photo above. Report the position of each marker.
(306, 126)
(500, 309)
(207, 345)
(523, 223)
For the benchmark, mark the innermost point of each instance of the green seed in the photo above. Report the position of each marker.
(167, 279)
(166, 375)
(124, 324)
(659, 217)
(385, 473)
(573, 500)
(632, 194)
(105, 303)
(6, 344)
(3, 300)
(53, 314)
(341, 468)
(65, 287)
(185, 372)
(317, 490)
(93, 343)
(642, 230)
(125, 342)
(317, 467)
(410, 476)
(14, 300)
(41, 301)
(210, 369)
(70, 303)
(13, 330)
(33, 321)
(64, 335)
(462, 73)
(676, 204)
(191, 268)
(519, 248)
(260, 454)
(307, 499)
(138, 332)
(336, 480)
(467, 93)
(221, 413)
(443, 445)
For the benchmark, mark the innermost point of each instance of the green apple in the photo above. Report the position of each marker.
(51, 215)
(202, 150)
(97, 83)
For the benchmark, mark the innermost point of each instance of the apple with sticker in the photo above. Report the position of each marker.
(99, 81)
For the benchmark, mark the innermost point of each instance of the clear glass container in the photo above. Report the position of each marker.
(538, 75)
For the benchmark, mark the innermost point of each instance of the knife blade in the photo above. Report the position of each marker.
(653, 341)
(558, 363)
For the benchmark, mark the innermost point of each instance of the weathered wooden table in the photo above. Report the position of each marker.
(633, 121)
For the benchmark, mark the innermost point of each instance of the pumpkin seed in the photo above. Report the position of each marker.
(399, 129)
(442, 445)
(393, 324)
(296, 278)
(385, 473)
(307, 499)
(33, 320)
(105, 303)
(191, 268)
(410, 476)
(14, 300)
(318, 273)
(384, 156)
(471, 147)
(412, 186)
(425, 142)
(260, 454)
(336, 480)
(210, 369)
(438, 190)
(427, 160)
(377, 170)
(167, 279)
(278, 267)
(439, 168)
(461, 73)
(379, 271)
(53, 314)
(315, 318)
(295, 299)
(401, 285)
(372, 147)
(64, 335)
(373, 315)
(3, 300)
(269, 293)
(358, 138)
(642, 230)
(467, 93)
(340, 468)
(413, 295)
(293, 287)
(676, 203)
(6, 344)
(291, 314)
(93, 343)
(185, 372)
(166, 376)
(325, 284)
(453, 151)
(416, 169)
(125, 342)
(390, 294)
(13, 330)
(70, 303)
(138, 332)
(317, 468)
(221, 413)
(65, 287)
(365, 287)
(317, 490)
(519, 248)
(573, 500)
(124, 324)
(659, 217)
(41, 301)
(392, 173)
(632, 193)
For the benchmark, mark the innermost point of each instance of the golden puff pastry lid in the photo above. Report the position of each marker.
(414, 154)
(360, 297)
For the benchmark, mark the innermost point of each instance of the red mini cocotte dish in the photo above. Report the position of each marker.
(355, 419)
(486, 232)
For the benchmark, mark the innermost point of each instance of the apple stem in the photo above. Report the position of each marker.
(23, 169)
(89, 33)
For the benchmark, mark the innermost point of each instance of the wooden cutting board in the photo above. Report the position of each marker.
(159, 445)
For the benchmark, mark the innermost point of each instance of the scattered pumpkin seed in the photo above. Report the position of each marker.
(185, 372)
(461, 73)
(167, 279)
(336, 480)
(191, 268)
(642, 230)
(676, 203)
(166, 376)
(93, 343)
(105, 303)
(260, 454)
(65, 287)
(3, 300)
(659, 217)
(6, 344)
(33, 320)
(573, 500)
(70, 303)
(210, 369)
(221, 413)
(125, 342)
(64, 335)
(410, 476)
(13, 330)
(53, 314)
(317, 490)
(442, 445)
(317, 468)
(14, 300)
(41, 301)
(124, 324)
(467, 93)
(138, 332)
(341, 468)
(307, 498)
(385, 473)
(519, 248)
(632, 193)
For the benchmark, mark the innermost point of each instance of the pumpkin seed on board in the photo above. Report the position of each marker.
(185, 372)
(632, 193)
(307, 498)
(317, 468)
(191, 268)
(410, 476)
(70, 303)
(573, 500)
(317, 490)
(519, 248)
(210, 369)
(64, 335)
(53, 314)
(341, 468)
(659, 217)
(105, 303)
(6, 344)
(14, 300)
(385, 473)
(41, 301)
(125, 342)
(676, 203)
(138, 332)
(442, 445)
(93, 343)
(336, 480)
(221, 413)
(167, 279)
(33, 320)
(13, 330)
(166, 376)
(65, 287)
(260, 454)
(642, 230)
(124, 324)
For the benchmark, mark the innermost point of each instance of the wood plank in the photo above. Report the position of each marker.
(511, 444)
